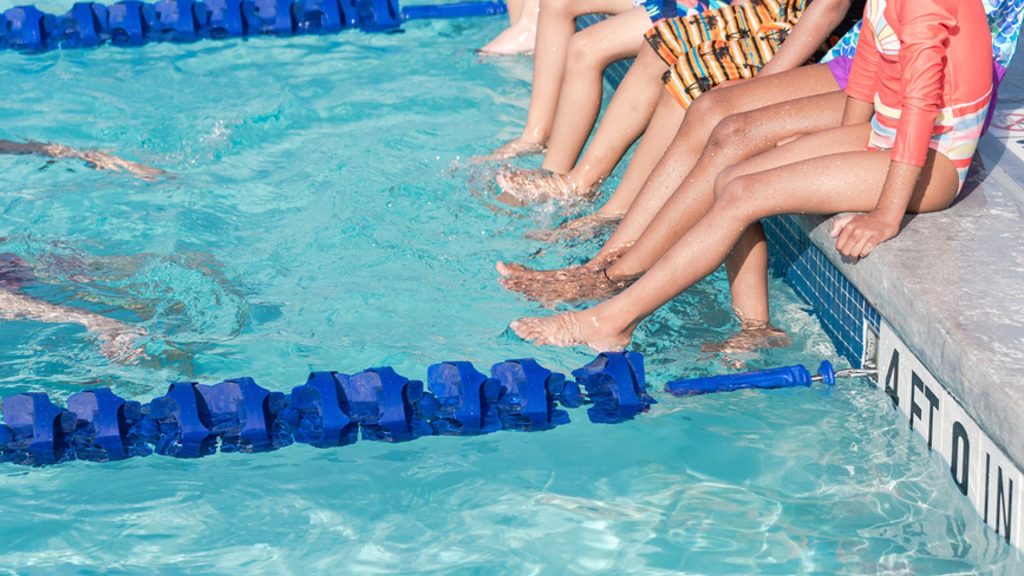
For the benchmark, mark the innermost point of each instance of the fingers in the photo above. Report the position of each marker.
(856, 241)
(839, 223)
(844, 237)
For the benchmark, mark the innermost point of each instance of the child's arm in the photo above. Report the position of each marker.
(923, 42)
(809, 33)
(94, 158)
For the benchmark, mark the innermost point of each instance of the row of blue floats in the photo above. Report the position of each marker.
(133, 23)
(331, 409)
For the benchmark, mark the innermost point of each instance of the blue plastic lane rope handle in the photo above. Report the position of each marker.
(784, 377)
(456, 10)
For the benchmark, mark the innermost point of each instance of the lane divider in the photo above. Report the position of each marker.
(331, 409)
(134, 23)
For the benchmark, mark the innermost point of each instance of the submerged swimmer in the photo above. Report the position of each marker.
(92, 158)
(118, 340)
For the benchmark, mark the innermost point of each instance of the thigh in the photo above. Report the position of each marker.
(830, 172)
(580, 7)
(745, 134)
(615, 38)
(763, 91)
(831, 141)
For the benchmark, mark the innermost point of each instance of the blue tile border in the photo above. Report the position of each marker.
(839, 306)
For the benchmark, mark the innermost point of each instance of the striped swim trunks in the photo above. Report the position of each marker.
(955, 136)
(730, 43)
(658, 9)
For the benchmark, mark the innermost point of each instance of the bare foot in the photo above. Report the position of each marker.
(518, 38)
(580, 228)
(752, 336)
(597, 263)
(585, 284)
(571, 329)
(512, 149)
(539, 185)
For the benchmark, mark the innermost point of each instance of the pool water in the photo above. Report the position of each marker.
(322, 213)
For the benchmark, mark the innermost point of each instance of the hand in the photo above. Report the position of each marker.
(119, 342)
(858, 234)
(103, 161)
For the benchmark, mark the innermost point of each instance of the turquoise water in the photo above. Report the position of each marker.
(322, 214)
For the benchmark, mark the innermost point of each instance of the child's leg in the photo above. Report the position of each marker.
(824, 173)
(735, 139)
(521, 35)
(626, 116)
(555, 28)
(704, 115)
(747, 269)
(662, 129)
(515, 10)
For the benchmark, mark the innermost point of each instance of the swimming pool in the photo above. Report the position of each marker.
(323, 214)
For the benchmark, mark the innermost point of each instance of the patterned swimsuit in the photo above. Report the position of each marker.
(927, 68)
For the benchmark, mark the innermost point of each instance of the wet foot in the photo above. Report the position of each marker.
(571, 329)
(565, 285)
(751, 337)
(516, 39)
(512, 149)
(537, 185)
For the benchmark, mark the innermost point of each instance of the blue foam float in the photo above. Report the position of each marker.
(28, 29)
(269, 17)
(129, 22)
(387, 405)
(179, 20)
(134, 23)
(530, 394)
(331, 409)
(40, 431)
(224, 19)
(316, 414)
(85, 26)
(378, 15)
(244, 415)
(325, 16)
(103, 430)
(616, 387)
(466, 399)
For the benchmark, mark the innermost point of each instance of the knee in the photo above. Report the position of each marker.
(584, 54)
(733, 190)
(710, 108)
(729, 131)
